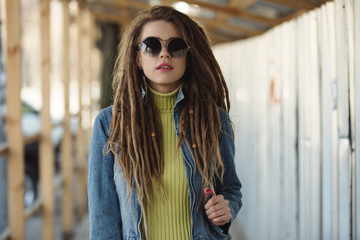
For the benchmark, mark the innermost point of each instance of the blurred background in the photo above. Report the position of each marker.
(293, 72)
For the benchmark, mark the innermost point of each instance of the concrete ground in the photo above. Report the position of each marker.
(34, 225)
(34, 228)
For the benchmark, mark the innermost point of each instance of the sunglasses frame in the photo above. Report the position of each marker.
(142, 49)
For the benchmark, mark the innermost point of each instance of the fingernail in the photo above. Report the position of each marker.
(208, 190)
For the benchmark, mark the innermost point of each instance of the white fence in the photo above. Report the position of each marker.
(297, 125)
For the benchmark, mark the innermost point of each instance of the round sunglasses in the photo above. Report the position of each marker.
(152, 46)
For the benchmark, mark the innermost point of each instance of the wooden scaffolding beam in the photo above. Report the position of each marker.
(67, 161)
(46, 148)
(13, 120)
(91, 66)
(81, 163)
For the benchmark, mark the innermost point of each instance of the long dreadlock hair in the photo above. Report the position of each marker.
(135, 125)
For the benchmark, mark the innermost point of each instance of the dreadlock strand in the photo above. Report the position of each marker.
(156, 140)
(204, 135)
(197, 158)
(193, 144)
(218, 164)
(144, 138)
(197, 135)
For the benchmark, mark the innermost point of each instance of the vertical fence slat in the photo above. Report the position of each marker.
(344, 185)
(13, 120)
(343, 118)
(349, 20)
(66, 161)
(274, 80)
(251, 131)
(289, 132)
(260, 148)
(46, 148)
(357, 119)
(341, 67)
(314, 115)
(303, 135)
(327, 144)
(331, 51)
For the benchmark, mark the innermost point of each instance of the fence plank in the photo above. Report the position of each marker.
(46, 148)
(341, 67)
(289, 121)
(260, 143)
(13, 120)
(274, 130)
(331, 70)
(327, 64)
(357, 118)
(344, 189)
(326, 108)
(349, 19)
(314, 127)
(67, 161)
(303, 135)
(350, 54)
(343, 118)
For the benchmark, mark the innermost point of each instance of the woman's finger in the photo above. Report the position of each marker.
(221, 212)
(214, 200)
(218, 206)
(221, 220)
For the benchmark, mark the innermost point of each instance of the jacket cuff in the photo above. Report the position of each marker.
(226, 227)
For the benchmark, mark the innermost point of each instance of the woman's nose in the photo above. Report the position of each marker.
(164, 53)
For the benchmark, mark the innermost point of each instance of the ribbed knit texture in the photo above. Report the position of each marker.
(169, 219)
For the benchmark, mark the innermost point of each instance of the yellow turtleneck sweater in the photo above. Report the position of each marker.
(169, 219)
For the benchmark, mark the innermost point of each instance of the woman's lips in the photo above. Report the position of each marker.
(164, 67)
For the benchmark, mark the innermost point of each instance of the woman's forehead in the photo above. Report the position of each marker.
(161, 29)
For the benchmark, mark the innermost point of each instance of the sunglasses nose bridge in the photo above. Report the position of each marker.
(164, 53)
(164, 46)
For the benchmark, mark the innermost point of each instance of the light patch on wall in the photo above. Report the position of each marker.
(242, 96)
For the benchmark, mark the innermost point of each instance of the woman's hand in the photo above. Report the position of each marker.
(217, 209)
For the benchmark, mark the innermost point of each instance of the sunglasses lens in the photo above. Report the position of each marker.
(178, 48)
(151, 47)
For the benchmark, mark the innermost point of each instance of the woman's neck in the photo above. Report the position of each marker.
(164, 88)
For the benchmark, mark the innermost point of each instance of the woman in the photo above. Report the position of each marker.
(161, 162)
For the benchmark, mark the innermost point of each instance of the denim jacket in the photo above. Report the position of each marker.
(113, 217)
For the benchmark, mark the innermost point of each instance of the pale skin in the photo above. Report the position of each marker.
(161, 81)
(217, 208)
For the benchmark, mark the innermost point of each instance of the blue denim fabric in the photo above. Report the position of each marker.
(112, 217)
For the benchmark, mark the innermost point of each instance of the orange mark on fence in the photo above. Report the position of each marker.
(274, 99)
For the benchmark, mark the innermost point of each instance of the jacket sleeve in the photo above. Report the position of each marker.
(231, 184)
(104, 210)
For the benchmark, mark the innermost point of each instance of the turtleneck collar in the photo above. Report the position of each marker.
(164, 101)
